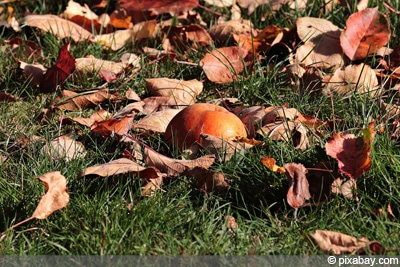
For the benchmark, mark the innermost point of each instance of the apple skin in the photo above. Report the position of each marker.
(185, 128)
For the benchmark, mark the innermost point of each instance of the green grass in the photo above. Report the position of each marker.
(108, 215)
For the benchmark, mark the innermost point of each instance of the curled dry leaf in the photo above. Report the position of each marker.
(183, 91)
(366, 31)
(100, 115)
(225, 64)
(157, 121)
(73, 101)
(174, 167)
(91, 65)
(62, 28)
(351, 152)
(339, 243)
(270, 163)
(120, 166)
(157, 103)
(360, 78)
(34, 72)
(75, 9)
(56, 197)
(152, 185)
(64, 147)
(298, 191)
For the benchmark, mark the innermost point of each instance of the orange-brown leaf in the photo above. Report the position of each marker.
(113, 126)
(270, 163)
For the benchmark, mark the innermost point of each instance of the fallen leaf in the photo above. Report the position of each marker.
(298, 191)
(62, 28)
(64, 147)
(174, 167)
(56, 197)
(225, 64)
(222, 32)
(181, 38)
(59, 72)
(351, 152)
(120, 166)
(34, 72)
(113, 126)
(6, 97)
(158, 6)
(339, 243)
(366, 31)
(100, 115)
(152, 185)
(75, 9)
(157, 121)
(344, 188)
(77, 101)
(270, 163)
(353, 78)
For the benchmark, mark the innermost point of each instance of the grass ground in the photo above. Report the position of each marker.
(108, 216)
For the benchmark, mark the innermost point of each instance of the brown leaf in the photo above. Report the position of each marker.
(34, 72)
(73, 101)
(298, 191)
(366, 31)
(100, 115)
(183, 91)
(320, 179)
(157, 103)
(181, 38)
(225, 64)
(56, 196)
(360, 78)
(157, 121)
(351, 152)
(64, 147)
(338, 243)
(344, 188)
(309, 28)
(174, 167)
(120, 166)
(222, 32)
(58, 26)
(152, 185)
(6, 97)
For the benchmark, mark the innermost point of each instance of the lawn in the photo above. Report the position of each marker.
(112, 215)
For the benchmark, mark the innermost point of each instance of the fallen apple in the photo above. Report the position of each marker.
(185, 128)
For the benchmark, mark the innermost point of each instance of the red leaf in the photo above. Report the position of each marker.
(158, 6)
(351, 152)
(59, 72)
(109, 127)
(366, 31)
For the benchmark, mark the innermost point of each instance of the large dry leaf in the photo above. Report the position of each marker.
(174, 167)
(251, 5)
(351, 152)
(225, 64)
(58, 26)
(366, 31)
(298, 191)
(152, 185)
(73, 101)
(120, 38)
(322, 47)
(75, 9)
(222, 32)
(181, 38)
(157, 121)
(100, 115)
(360, 78)
(338, 243)
(309, 28)
(91, 65)
(120, 166)
(220, 3)
(56, 197)
(64, 147)
(183, 91)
